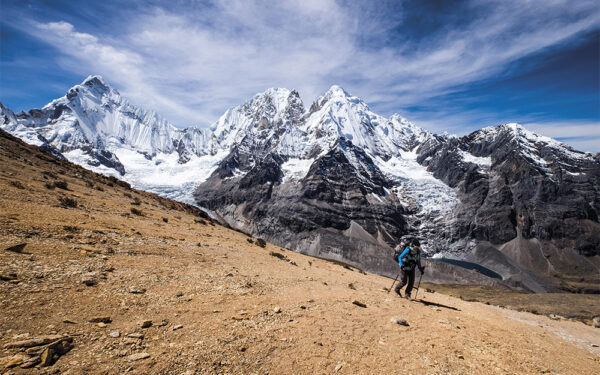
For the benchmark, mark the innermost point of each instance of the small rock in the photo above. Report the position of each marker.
(162, 323)
(400, 321)
(594, 346)
(16, 248)
(38, 341)
(101, 325)
(101, 319)
(138, 356)
(115, 334)
(8, 276)
(179, 326)
(461, 357)
(47, 357)
(69, 321)
(145, 323)
(29, 363)
(277, 310)
(135, 335)
(358, 303)
(179, 294)
(338, 367)
(89, 282)
(108, 268)
(596, 322)
(16, 361)
(554, 317)
(133, 290)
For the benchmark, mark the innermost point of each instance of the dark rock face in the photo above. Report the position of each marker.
(52, 151)
(326, 214)
(106, 158)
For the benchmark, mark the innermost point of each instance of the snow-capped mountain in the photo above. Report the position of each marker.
(93, 125)
(337, 180)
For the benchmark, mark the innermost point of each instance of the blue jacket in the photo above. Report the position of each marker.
(406, 252)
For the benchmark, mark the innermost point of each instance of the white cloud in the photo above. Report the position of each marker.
(192, 65)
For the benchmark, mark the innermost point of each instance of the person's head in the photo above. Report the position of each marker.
(415, 244)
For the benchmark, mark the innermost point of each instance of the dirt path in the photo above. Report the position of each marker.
(584, 336)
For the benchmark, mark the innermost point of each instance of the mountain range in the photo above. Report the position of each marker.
(338, 181)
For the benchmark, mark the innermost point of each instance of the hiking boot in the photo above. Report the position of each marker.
(398, 293)
(408, 297)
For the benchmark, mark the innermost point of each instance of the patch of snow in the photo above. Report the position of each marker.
(77, 156)
(295, 169)
(377, 197)
(483, 162)
(168, 177)
(430, 195)
(574, 173)
(27, 135)
(162, 175)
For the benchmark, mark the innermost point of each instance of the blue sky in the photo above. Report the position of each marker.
(446, 66)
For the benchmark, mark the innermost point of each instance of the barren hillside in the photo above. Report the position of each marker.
(114, 280)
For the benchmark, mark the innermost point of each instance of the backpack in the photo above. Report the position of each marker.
(399, 251)
(409, 261)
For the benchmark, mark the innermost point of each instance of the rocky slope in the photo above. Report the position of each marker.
(115, 280)
(338, 181)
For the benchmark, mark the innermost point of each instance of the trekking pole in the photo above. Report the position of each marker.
(394, 282)
(418, 285)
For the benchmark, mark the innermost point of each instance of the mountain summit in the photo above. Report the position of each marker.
(336, 180)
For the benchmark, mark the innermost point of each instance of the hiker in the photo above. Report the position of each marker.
(408, 259)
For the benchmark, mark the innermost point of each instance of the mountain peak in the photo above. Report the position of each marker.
(337, 89)
(275, 92)
(337, 92)
(95, 80)
(92, 86)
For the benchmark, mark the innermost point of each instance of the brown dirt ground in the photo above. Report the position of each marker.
(225, 292)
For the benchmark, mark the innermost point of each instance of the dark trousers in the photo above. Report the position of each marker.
(407, 276)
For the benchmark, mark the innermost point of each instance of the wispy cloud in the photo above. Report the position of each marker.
(191, 63)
